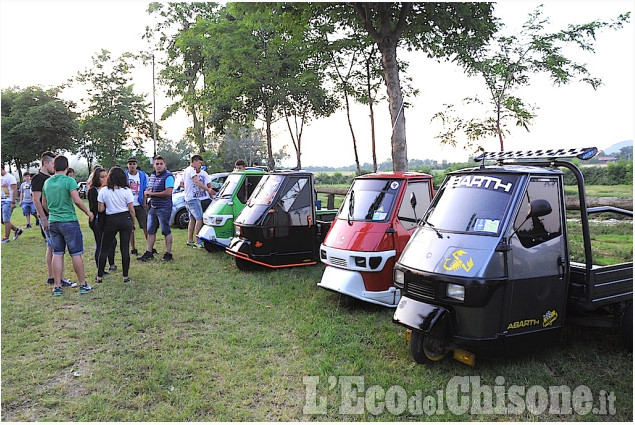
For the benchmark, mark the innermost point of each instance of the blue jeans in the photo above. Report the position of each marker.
(66, 234)
(28, 208)
(195, 209)
(159, 216)
(6, 212)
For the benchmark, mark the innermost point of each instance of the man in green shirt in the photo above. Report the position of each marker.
(59, 196)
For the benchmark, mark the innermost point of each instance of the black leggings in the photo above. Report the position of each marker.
(98, 232)
(116, 223)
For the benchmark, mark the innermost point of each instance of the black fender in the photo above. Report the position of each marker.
(420, 316)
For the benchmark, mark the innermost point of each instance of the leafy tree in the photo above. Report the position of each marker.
(177, 156)
(625, 152)
(35, 120)
(441, 30)
(508, 64)
(184, 65)
(116, 120)
(261, 71)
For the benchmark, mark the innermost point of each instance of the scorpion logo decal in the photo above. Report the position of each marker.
(457, 263)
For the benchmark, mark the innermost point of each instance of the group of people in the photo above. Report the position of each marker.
(117, 200)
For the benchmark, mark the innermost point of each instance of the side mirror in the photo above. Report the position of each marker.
(539, 208)
(413, 204)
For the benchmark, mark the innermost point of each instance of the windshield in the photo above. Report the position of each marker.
(230, 185)
(178, 179)
(472, 203)
(372, 200)
(266, 190)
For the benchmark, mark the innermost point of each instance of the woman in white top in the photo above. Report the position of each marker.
(115, 199)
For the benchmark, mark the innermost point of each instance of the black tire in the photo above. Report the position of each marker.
(211, 247)
(626, 327)
(426, 350)
(244, 265)
(182, 219)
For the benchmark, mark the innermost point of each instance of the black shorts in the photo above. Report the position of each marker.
(142, 216)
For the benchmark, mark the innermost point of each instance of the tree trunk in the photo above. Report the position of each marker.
(270, 161)
(498, 129)
(350, 126)
(388, 48)
(372, 117)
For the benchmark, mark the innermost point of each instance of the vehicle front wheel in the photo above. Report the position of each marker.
(182, 219)
(211, 247)
(244, 265)
(426, 350)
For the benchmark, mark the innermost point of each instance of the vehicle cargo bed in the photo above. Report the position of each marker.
(606, 285)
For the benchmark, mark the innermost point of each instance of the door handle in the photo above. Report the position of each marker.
(561, 264)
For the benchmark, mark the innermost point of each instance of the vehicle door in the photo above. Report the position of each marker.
(539, 269)
(294, 218)
(245, 189)
(407, 216)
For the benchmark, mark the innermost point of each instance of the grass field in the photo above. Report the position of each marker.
(197, 340)
(620, 190)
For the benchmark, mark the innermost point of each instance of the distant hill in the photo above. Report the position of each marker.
(616, 147)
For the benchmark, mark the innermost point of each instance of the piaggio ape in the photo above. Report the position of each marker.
(372, 228)
(280, 226)
(218, 219)
(488, 270)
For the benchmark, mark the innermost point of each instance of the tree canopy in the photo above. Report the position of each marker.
(116, 120)
(35, 120)
(509, 61)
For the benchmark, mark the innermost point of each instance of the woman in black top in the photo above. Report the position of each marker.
(97, 225)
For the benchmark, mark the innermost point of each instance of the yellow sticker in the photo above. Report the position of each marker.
(548, 318)
(456, 262)
(523, 323)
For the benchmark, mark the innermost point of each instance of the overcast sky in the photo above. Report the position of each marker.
(46, 43)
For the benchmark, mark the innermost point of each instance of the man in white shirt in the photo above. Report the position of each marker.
(138, 182)
(9, 194)
(195, 183)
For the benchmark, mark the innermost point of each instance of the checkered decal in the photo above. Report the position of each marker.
(584, 153)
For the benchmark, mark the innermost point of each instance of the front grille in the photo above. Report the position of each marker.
(340, 262)
(420, 289)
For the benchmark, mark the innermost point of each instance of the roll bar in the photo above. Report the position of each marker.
(551, 158)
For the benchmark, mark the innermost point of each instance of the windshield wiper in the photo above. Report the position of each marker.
(433, 228)
(351, 208)
(469, 223)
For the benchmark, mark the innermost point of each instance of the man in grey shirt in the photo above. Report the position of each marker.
(26, 200)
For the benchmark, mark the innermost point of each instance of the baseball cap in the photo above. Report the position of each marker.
(132, 159)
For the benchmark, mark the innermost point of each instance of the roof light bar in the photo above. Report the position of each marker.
(584, 154)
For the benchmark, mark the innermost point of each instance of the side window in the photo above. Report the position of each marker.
(406, 214)
(296, 202)
(534, 231)
(241, 194)
(251, 182)
(217, 183)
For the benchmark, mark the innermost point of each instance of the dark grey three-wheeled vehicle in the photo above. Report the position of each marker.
(489, 271)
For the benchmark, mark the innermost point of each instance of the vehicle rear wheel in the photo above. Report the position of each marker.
(426, 350)
(626, 327)
(182, 219)
(244, 265)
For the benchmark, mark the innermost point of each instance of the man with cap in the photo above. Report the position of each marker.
(138, 182)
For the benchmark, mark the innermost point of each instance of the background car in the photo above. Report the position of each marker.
(180, 217)
(82, 190)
